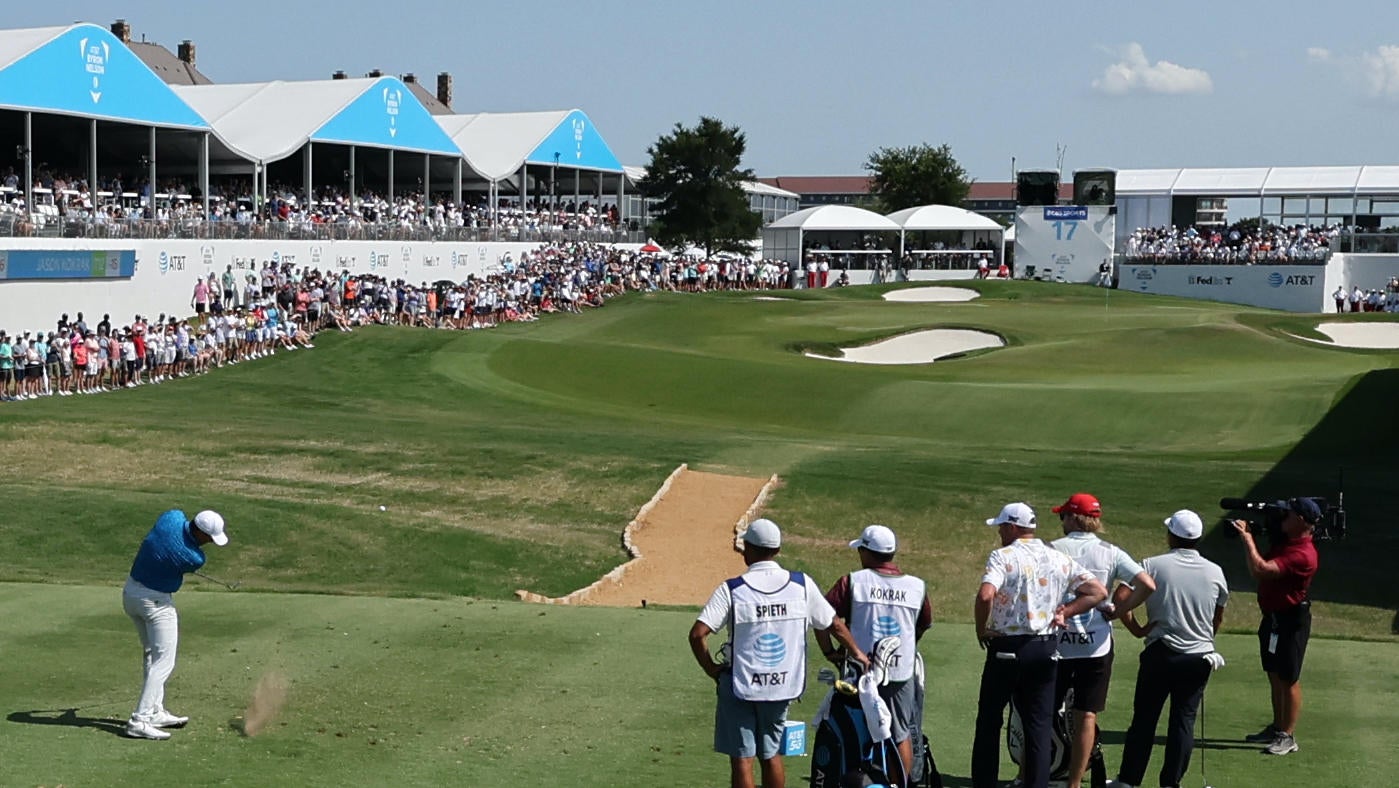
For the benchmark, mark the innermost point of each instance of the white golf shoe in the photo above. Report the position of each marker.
(140, 729)
(165, 719)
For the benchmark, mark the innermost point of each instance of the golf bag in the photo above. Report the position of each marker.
(844, 755)
(1060, 746)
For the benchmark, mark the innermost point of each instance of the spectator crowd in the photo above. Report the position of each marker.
(282, 307)
(1241, 244)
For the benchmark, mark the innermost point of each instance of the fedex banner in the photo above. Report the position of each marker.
(1295, 288)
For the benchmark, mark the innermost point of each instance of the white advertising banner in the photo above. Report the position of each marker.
(1066, 243)
(166, 271)
(1294, 288)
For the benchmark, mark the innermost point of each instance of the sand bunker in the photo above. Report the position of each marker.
(1364, 335)
(920, 347)
(927, 294)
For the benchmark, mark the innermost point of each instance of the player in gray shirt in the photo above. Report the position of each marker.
(1183, 617)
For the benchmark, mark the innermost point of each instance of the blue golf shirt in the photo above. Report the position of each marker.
(167, 553)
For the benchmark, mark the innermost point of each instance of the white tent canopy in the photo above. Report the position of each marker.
(947, 218)
(496, 144)
(842, 226)
(1259, 181)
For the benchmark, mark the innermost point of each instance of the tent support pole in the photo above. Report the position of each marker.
(427, 178)
(203, 172)
(576, 176)
(390, 198)
(352, 178)
(310, 187)
(456, 184)
(621, 201)
(29, 163)
(524, 186)
(92, 162)
(150, 179)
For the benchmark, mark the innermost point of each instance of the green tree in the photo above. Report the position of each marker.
(916, 175)
(694, 174)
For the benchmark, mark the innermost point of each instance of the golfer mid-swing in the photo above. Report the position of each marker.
(171, 549)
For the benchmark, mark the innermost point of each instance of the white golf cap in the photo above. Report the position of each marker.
(1017, 514)
(763, 533)
(1185, 524)
(878, 539)
(211, 523)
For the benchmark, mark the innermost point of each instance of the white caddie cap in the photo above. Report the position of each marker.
(877, 539)
(1185, 524)
(763, 533)
(211, 523)
(1017, 514)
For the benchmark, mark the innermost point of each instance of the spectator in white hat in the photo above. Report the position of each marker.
(880, 601)
(171, 549)
(1183, 617)
(767, 611)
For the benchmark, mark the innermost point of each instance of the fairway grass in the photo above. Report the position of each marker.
(513, 458)
(461, 692)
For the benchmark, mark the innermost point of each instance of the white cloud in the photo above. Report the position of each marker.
(1380, 71)
(1135, 74)
(1318, 54)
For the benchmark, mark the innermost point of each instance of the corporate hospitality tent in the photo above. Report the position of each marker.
(854, 234)
(919, 222)
(68, 89)
(1363, 196)
(545, 154)
(348, 133)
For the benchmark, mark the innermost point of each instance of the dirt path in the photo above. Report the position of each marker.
(686, 542)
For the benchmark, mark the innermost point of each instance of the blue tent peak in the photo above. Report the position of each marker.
(387, 115)
(89, 72)
(577, 143)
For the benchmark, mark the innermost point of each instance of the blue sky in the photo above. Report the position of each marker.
(817, 86)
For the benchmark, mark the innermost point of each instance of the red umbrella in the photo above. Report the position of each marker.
(651, 248)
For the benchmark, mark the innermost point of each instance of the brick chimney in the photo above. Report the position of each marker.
(339, 75)
(186, 52)
(122, 30)
(375, 74)
(444, 89)
(409, 78)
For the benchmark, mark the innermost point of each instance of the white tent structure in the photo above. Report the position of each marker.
(839, 230)
(317, 126)
(527, 150)
(944, 219)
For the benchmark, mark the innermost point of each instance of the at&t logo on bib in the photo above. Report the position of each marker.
(770, 650)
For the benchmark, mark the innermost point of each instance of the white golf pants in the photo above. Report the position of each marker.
(157, 624)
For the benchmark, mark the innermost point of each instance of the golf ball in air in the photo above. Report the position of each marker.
(383, 508)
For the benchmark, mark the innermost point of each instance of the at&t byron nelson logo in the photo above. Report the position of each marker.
(578, 127)
(393, 97)
(95, 55)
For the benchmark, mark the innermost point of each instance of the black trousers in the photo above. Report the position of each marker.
(1181, 677)
(1020, 667)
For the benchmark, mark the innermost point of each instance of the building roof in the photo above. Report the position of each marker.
(426, 97)
(821, 184)
(167, 65)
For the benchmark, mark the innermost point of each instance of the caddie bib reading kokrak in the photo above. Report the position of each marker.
(884, 606)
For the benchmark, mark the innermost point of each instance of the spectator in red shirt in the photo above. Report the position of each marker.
(1284, 577)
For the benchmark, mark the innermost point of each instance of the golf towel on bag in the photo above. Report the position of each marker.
(843, 750)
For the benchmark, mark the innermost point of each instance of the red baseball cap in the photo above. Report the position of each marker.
(1081, 503)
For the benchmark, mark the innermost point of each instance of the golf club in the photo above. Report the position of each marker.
(230, 586)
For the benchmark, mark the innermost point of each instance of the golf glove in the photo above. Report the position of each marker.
(1215, 659)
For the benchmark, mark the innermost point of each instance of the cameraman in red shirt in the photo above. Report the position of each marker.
(1284, 576)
